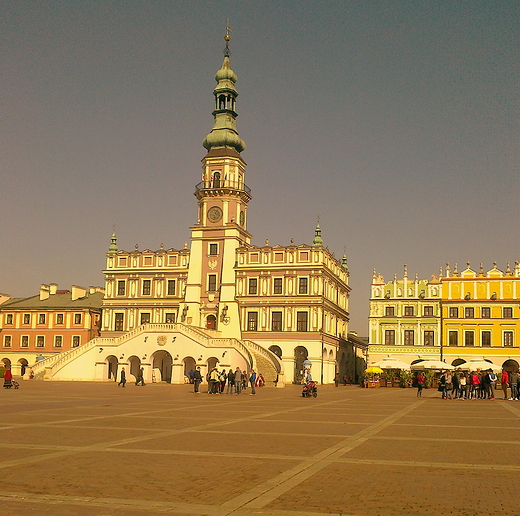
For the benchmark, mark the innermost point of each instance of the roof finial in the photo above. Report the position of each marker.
(113, 242)
(227, 37)
(317, 241)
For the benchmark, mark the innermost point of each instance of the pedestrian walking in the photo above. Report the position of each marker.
(140, 377)
(122, 378)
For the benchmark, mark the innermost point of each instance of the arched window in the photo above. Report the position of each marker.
(216, 180)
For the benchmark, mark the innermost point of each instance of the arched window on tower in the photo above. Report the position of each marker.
(222, 102)
(216, 180)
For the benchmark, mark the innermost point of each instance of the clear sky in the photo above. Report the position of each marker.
(394, 121)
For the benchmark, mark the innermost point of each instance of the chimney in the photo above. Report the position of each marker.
(44, 292)
(53, 288)
(78, 292)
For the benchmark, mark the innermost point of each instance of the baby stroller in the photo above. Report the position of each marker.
(15, 384)
(310, 389)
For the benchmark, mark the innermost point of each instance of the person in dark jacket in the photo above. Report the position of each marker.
(122, 378)
(197, 378)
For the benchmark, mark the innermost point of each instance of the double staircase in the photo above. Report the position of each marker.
(260, 359)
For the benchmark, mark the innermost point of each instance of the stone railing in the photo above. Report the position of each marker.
(269, 355)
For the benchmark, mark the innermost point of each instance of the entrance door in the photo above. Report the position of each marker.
(162, 360)
(211, 322)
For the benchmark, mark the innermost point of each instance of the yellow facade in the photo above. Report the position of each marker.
(481, 314)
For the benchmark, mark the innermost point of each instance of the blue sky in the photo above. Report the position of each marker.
(395, 122)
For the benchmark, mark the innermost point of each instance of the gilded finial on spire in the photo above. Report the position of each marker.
(227, 37)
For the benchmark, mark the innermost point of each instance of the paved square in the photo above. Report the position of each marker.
(93, 449)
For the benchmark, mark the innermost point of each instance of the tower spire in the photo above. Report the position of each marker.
(224, 132)
(317, 236)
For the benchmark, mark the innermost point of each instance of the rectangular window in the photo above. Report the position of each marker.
(170, 318)
(25, 341)
(119, 318)
(507, 312)
(27, 318)
(40, 341)
(7, 341)
(58, 341)
(278, 257)
(145, 318)
(428, 311)
(75, 341)
(303, 285)
(301, 321)
(485, 312)
(454, 312)
(408, 311)
(212, 282)
(77, 318)
(147, 287)
(9, 319)
(253, 286)
(277, 285)
(252, 321)
(121, 288)
(276, 321)
(409, 337)
(389, 311)
(41, 319)
(213, 249)
(389, 337)
(59, 318)
(171, 287)
(469, 338)
(469, 312)
(429, 337)
(486, 339)
(453, 338)
(508, 338)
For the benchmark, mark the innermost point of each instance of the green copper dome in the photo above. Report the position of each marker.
(224, 132)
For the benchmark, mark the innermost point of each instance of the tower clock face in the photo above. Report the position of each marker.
(214, 214)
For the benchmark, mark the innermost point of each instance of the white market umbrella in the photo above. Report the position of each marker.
(431, 364)
(477, 363)
(392, 363)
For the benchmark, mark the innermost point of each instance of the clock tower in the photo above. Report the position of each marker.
(223, 197)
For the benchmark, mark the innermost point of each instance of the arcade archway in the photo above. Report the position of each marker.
(162, 362)
(112, 367)
(300, 355)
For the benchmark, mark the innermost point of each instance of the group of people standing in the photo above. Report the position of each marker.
(236, 381)
(474, 385)
(468, 385)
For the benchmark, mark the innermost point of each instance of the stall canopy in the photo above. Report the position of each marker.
(431, 364)
(476, 363)
(391, 363)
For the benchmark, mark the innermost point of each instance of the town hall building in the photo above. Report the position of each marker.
(220, 301)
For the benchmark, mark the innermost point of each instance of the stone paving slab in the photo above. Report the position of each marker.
(91, 449)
